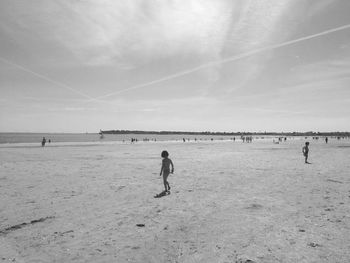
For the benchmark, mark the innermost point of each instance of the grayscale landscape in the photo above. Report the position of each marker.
(211, 131)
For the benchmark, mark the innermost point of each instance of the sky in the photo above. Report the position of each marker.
(190, 65)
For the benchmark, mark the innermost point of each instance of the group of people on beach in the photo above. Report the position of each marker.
(168, 167)
(247, 139)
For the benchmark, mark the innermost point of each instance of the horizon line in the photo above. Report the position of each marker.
(123, 131)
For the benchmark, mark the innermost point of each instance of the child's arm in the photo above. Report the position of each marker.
(172, 166)
(161, 169)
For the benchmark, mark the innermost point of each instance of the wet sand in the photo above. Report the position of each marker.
(229, 202)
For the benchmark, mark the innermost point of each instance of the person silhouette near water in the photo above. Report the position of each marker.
(305, 151)
(165, 169)
(43, 142)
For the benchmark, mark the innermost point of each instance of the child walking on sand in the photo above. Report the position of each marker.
(305, 151)
(165, 169)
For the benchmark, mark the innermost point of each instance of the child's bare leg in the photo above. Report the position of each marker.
(165, 181)
(168, 185)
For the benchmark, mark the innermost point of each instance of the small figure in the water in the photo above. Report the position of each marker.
(101, 134)
(305, 151)
(165, 169)
(326, 139)
(43, 142)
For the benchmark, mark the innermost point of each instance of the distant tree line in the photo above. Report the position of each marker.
(309, 133)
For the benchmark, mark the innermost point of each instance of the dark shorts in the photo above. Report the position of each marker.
(166, 174)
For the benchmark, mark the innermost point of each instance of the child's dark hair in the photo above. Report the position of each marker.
(165, 154)
(307, 143)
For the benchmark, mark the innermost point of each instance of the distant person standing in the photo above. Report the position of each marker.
(43, 142)
(305, 151)
(326, 139)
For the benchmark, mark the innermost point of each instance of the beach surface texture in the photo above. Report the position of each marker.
(229, 202)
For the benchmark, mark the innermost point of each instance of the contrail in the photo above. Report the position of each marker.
(226, 60)
(56, 83)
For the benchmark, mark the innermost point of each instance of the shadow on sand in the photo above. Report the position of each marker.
(161, 194)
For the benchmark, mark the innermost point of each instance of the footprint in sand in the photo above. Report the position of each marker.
(254, 207)
(334, 181)
(245, 261)
(313, 244)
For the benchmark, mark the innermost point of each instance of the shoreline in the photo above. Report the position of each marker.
(208, 133)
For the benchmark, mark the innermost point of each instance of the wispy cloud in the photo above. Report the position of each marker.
(130, 33)
(321, 71)
(229, 59)
(69, 109)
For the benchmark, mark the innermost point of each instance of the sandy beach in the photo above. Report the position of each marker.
(229, 202)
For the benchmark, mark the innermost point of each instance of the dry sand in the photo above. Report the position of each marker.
(229, 202)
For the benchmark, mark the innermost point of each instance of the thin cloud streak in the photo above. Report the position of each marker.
(56, 83)
(223, 61)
